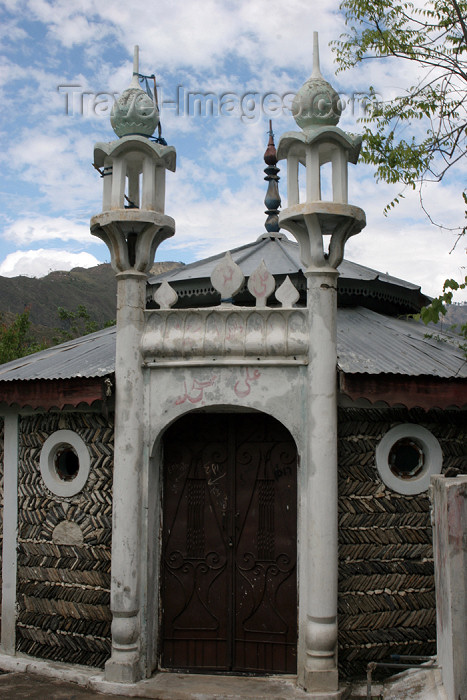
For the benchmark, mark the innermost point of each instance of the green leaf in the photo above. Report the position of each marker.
(420, 134)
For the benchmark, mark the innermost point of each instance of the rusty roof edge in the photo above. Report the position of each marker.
(47, 394)
(396, 390)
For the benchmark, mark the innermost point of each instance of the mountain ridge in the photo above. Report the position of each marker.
(96, 289)
(93, 287)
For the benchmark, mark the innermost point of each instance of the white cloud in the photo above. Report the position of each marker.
(37, 263)
(217, 193)
(210, 224)
(9, 31)
(405, 244)
(31, 229)
(51, 163)
(71, 23)
(178, 33)
(414, 252)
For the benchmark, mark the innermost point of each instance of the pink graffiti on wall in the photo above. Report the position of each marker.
(261, 290)
(243, 386)
(196, 392)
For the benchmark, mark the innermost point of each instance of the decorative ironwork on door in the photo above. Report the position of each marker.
(229, 552)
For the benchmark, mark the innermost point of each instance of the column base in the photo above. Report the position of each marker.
(124, 670)
(325, 682)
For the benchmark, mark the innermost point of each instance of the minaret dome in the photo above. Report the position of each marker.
(316, 103)
(134, 113)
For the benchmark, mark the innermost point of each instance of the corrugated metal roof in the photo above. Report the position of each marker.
(90, 356)
(281, 256)
(278, 252)
(372, 343)
(356, 284)
(367, 342)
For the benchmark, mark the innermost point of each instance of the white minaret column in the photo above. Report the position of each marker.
(132, 235)
(316, 109)
(320, 671)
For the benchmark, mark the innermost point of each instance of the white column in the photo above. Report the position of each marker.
(133, 184)
(449, 500)
(149, 185)
(292, 181)
(320, 672)
(339, 176)
(125, 664)
(160, 189)
(10, 532)
(313, 174)
(118, 183)
(107, 186)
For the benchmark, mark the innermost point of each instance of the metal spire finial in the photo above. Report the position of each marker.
(135, 78)
(136, 59)
(270, 155)
(272, 199)
(316, 67)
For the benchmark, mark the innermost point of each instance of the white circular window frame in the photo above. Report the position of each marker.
(58, 441)
(433, 458)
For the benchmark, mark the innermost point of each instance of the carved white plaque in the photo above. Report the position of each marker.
(227, 278)
(261, 284)
(165, 296)
(287, 295)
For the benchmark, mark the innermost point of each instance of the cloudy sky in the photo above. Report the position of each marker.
(63, 62)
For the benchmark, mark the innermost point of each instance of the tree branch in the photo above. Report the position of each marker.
(461, 19)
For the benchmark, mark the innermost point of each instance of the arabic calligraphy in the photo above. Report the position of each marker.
(261, 288)
(243, 387)
(196, 392)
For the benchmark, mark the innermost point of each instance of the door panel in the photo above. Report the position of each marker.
(229, 545)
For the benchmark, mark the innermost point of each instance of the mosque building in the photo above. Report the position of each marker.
(234, 479)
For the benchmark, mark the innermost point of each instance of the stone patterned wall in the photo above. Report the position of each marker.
(386, 581)
(63, 593)
(1, 512)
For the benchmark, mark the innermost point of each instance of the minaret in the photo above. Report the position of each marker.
(317, 109)
(132, 224)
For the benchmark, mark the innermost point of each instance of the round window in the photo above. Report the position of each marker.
(64, 463)
(67, 463)
(406, 457)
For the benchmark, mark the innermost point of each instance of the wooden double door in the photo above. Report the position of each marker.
(229, 552)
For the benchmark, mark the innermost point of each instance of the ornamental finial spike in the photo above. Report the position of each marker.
(136, 59)
(316, 104)
(272, 199)
(134, 80)
(270, 155)
(316, 67)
